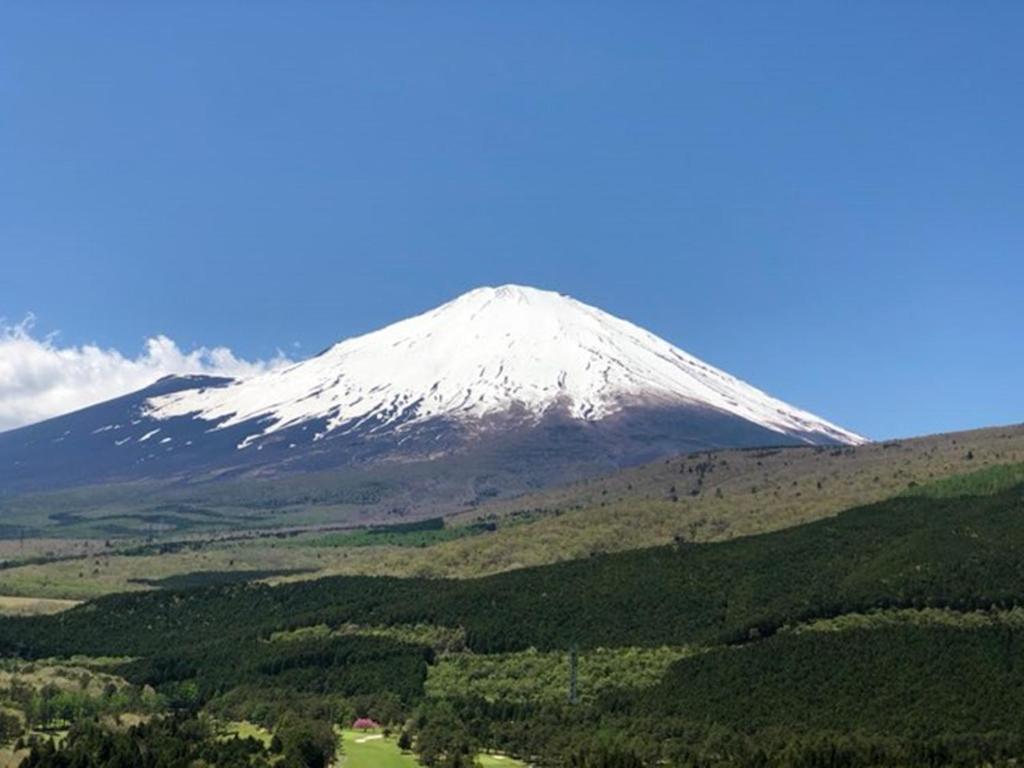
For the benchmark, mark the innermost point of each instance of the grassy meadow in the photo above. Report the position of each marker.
(33, 606)
(372, 749)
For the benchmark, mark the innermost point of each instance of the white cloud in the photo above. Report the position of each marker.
(39, 378)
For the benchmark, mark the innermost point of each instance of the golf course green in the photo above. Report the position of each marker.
(371, 749)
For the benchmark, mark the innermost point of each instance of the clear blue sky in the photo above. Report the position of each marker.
(824, 198)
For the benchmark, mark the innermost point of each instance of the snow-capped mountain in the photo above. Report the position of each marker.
(487, 352)
(515, 366)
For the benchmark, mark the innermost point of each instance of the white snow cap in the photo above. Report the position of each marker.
(481, 354)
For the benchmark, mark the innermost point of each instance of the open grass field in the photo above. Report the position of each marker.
(370, 749)
(86, 578)
(32, 606)
(12, 758)
(63, 675)
(19, 549)
(489, 760)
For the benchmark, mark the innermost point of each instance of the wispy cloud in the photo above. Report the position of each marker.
(39, 378)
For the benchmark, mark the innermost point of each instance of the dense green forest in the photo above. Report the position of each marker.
(961, 553)
(163, 743)
(178, 741)
(886, 635)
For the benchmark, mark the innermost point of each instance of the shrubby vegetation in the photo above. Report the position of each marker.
(544, 676)
(170, 742)
(922, 617)
(215, 578)
(443, 640)
(48, 697)
(423, 533)
(983, 482)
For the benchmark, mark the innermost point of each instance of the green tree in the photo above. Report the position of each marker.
(306, 743)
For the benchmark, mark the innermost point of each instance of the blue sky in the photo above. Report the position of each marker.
(826, 199)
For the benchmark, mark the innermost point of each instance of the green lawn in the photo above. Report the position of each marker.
(499, 761)
(369, 749)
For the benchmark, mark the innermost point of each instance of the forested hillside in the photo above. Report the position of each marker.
(894, 626)
(961, 553)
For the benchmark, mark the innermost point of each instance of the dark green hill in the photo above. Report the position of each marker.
(962, 553)
(907, 680)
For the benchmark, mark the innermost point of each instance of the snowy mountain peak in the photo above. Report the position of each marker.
(522, 294)
(507, 350)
